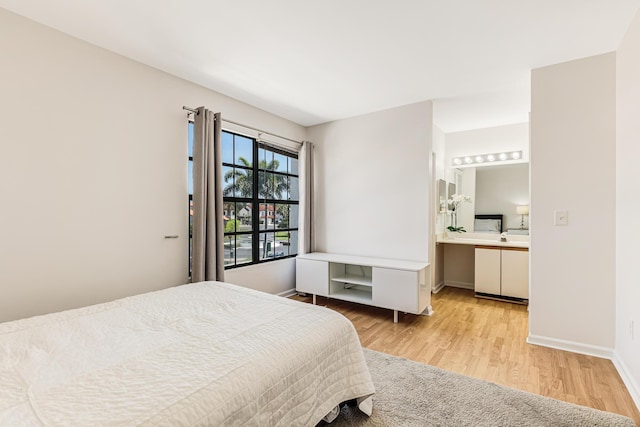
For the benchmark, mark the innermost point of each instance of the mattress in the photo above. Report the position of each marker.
(201, 354)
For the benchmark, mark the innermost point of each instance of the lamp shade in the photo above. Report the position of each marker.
(522, 210)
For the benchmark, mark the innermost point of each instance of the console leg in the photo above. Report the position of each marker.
(395, 316)
(314, 299)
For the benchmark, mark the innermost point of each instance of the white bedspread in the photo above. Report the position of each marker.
(201, 354)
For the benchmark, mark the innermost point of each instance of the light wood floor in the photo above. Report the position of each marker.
(486, 339)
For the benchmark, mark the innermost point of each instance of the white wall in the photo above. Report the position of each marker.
(93, 172)
(572, 288)
(373, 183)
(627, 208)
(500, 189)
(439, 147)
(439, 150)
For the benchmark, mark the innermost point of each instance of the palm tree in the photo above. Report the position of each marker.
(242, 185)
(269, 185)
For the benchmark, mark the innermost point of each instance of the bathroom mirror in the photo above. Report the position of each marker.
(496, 190)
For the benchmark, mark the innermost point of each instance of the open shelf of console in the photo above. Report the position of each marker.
(399, 285)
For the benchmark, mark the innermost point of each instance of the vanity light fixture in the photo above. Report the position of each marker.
(508, 156)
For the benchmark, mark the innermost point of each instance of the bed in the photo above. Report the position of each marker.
(207, 353)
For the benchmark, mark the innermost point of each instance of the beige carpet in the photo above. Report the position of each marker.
(412, 394)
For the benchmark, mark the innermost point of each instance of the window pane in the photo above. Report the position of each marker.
(237, 249)
(266, 159)
(293, 188)
(243, 181)
(227, 147)
(282, 216)
(293, 243)
(243, 214)
(293, 166)
(267, 216)
(227, 176)
(229, 250)
(293, 216)
(279, 162)
(190, 177)
(281, 246)
(243, 151)
(267, 182)
(269, 186)
(262, 185)
(243, 250)
(229, 218)
(280, 187)
(266, 245)
(190, 139)
(237, 182)
(261, 154)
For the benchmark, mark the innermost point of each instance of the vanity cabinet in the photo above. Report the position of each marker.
(488, 270)
(502, 271)
(398, 285)
(515, 273)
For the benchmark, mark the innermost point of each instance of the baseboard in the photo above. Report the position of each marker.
(287, 293)
(627, 379)
(437, 288)
(574, 347)
(463, 285)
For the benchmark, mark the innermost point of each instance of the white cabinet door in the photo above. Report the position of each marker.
(395, 289)
(487, 271)
(312, 276)
(515, 273)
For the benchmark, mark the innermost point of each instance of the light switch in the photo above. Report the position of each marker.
(560, 218)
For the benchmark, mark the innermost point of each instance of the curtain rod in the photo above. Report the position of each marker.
(193, 110)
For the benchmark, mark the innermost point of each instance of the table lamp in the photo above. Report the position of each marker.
(522, 210)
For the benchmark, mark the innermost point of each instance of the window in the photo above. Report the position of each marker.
(260, 192)
(260, 201)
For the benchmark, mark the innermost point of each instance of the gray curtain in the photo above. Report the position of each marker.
(306, 241)
(208, 232)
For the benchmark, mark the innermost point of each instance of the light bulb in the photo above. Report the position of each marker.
(515, 155)
(468, 160)
(502, 156)
(457, 161)
(491, 157)
(479, 159)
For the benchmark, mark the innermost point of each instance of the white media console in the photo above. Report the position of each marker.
(387, 283)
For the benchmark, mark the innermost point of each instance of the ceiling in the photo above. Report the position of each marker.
(313, 62)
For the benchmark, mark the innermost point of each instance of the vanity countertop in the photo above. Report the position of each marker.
(481, 239)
